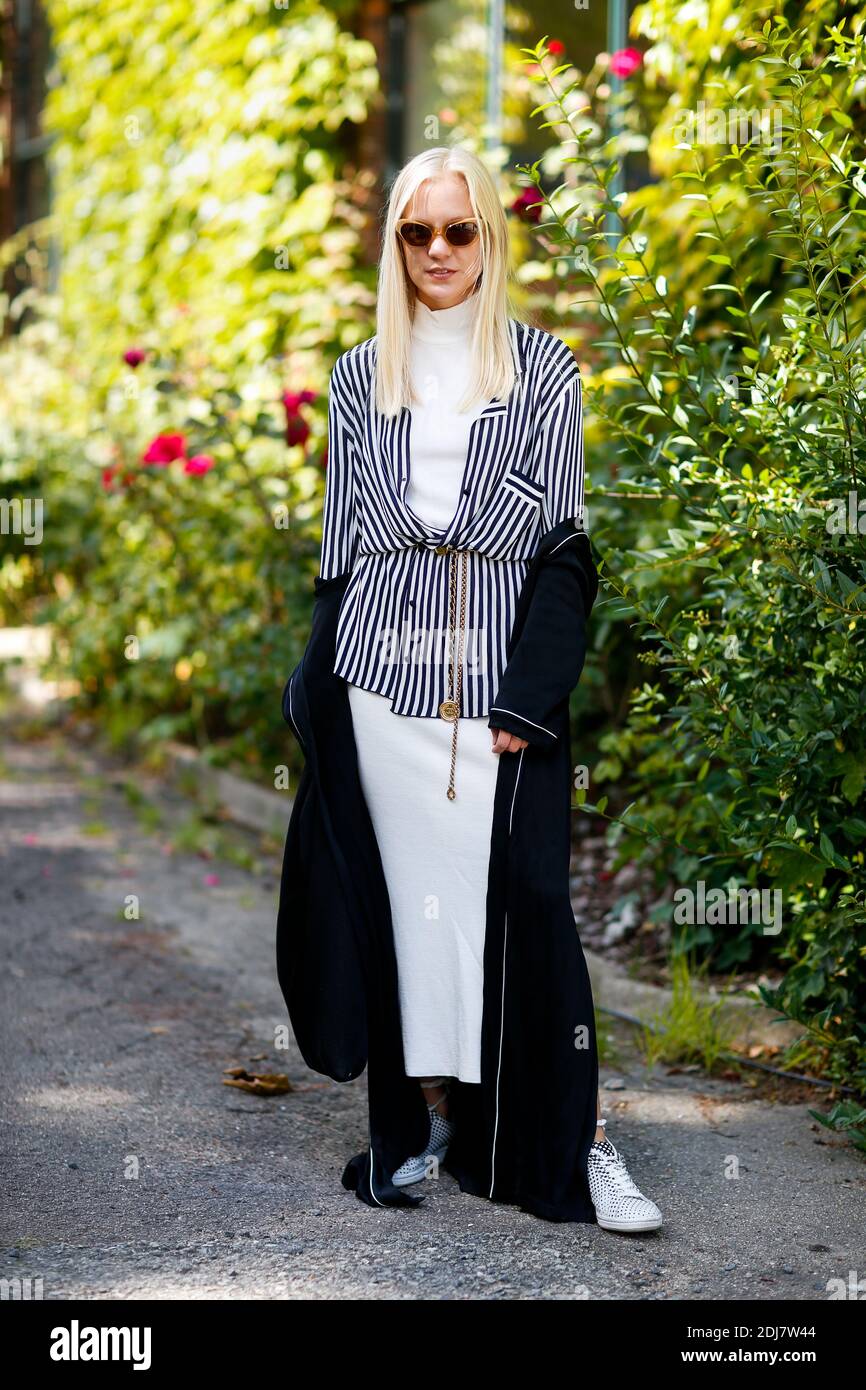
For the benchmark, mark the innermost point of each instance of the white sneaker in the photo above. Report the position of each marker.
(619, 1203)
(414, 1169)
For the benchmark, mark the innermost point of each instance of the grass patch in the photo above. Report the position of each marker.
(691, 1028)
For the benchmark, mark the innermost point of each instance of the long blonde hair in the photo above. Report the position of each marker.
(494, 373)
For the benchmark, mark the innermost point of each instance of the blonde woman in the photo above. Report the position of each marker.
(425, 924)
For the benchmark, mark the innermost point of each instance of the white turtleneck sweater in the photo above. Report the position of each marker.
(441, 364)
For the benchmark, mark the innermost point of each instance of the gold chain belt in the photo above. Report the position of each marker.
(450, 707)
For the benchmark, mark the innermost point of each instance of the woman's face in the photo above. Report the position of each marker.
(441, 273)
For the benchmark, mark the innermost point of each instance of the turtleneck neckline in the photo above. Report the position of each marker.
(444, 325)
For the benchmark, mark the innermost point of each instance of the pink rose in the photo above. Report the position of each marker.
(625, 61)
(199, 463)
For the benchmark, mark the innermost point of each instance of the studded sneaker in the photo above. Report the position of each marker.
(619, 1203)
(441, 1133)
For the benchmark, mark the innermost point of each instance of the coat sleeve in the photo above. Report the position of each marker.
(561, 446)
(339, 522)
(547, 659)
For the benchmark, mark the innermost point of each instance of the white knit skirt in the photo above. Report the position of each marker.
(435, 855)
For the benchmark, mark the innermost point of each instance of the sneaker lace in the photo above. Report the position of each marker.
(619, 1174)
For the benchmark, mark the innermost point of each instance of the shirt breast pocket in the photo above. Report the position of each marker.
(507, 515)
(523, 485)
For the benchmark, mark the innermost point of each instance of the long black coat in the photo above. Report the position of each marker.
(523, 1133)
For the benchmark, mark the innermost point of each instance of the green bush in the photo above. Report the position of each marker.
(200, 220)
(733, 402)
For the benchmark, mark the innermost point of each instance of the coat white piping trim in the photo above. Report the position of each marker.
(292, 713)
(372, 1189)
(502, 710)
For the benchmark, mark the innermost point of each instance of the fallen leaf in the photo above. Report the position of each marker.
(258, 1084)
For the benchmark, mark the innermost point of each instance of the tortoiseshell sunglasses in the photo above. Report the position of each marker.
(418, 234)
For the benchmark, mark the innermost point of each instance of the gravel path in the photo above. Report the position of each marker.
(131, 1171)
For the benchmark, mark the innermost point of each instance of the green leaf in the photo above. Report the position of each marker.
(852, 784)
(828, 854)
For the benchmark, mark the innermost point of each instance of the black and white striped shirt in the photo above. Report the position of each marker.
(524, 473)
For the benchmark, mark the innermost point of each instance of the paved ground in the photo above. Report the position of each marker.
(130, 1170)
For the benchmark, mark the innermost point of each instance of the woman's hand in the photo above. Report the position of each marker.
(507, 743)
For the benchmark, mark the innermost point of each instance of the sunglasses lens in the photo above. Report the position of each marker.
(415, 233)
(462, 233)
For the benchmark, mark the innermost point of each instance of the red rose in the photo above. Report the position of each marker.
(522, 205)
(297, 430)
(165, 449)
(115, 473)
(293, 399)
